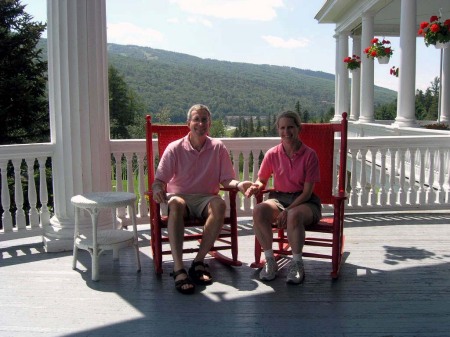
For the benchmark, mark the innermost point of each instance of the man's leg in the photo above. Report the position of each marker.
(177, 212)
(215, 215)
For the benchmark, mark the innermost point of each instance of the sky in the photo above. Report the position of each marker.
(276, 32)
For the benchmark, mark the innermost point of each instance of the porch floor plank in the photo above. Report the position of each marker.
(395, 282)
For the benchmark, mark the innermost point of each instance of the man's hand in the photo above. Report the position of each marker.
(159, 193)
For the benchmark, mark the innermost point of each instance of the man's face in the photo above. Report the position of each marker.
(199, 122)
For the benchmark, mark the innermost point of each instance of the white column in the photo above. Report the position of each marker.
(356, 81)
(367, 77)
(336, 86)
(343, 104)
(444, 115)
(78, 97)
(406, 108)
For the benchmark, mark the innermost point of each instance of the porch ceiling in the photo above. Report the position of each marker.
(346, 14)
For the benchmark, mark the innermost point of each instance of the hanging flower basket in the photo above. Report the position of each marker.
(379, 49)
(435, 32)
(442, 45)
(383, 60)
(353, 62)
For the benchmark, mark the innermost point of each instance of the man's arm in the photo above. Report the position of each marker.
(242, 186)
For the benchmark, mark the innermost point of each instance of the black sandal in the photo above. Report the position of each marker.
(197, 275)
(180, 283)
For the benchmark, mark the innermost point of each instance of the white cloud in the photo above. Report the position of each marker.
(258, 10)
(279, 42)
(127, 33)
(173, 20)
(198, 20)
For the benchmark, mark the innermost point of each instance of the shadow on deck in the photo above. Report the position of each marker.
(394, 282)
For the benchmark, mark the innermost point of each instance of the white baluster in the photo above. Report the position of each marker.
(392, 195)
(245, 202)
(401, 166)
(18, 195)
(236, 155)
(412, 194)
(119, 182)
(440, 188)
(43, 193)
(33, 214)
(431, 194)
(142, 205)
(118, 160)
(130, 182)
(354, 179)
(382, 191)
(6, 200)
(447, 180)
(130, 177)
(363, 180)
(421, 194)
(373, 168)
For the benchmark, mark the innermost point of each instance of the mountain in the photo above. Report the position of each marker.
(172, 82)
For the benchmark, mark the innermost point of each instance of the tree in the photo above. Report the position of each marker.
(24, 113)
(124, 106)
(217, 128)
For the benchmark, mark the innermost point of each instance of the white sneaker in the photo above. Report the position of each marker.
(269, 271)
(296, 273)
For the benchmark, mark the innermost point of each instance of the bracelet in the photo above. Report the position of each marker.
(238, 184)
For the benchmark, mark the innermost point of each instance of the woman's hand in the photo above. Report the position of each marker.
(253, 189)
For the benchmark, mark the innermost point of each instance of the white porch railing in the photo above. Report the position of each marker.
(390, 173)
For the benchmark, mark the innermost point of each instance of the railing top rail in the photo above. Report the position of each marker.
(26, 150)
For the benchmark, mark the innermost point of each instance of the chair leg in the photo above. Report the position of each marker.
(157, 250)
(258, 250)
(75, 257)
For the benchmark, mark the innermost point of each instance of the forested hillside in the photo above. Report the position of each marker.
(172, 82)
(169, 83)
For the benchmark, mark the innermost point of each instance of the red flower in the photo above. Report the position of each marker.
(435, 31)
(347, 59)
(387, 50)
(434, 18)
(434, 28)
(373, 53)
(366, 50)
(374, 40)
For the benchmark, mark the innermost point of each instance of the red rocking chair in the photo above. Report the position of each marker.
(227, 239)
(321, 137)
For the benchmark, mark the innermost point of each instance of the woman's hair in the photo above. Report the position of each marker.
(289, 114)
(197, 107)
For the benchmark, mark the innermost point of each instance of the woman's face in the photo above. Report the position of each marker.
(288, 130)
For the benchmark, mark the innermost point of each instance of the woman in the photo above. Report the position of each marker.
(293, 205)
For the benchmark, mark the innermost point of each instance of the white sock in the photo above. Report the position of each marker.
(297, 257)
(268, 254)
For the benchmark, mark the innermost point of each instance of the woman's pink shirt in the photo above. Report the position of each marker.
(290, 174)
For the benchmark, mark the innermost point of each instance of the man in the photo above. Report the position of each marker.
(187, 179)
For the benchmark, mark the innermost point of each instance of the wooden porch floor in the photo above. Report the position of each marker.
(395, 282)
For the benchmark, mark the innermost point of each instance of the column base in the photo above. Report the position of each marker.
(58, 235)
(363, 119)
(405, 123)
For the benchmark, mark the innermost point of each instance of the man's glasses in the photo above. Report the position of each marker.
(200, 120)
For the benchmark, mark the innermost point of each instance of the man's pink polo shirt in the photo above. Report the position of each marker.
(290, 174)
(188, 171)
